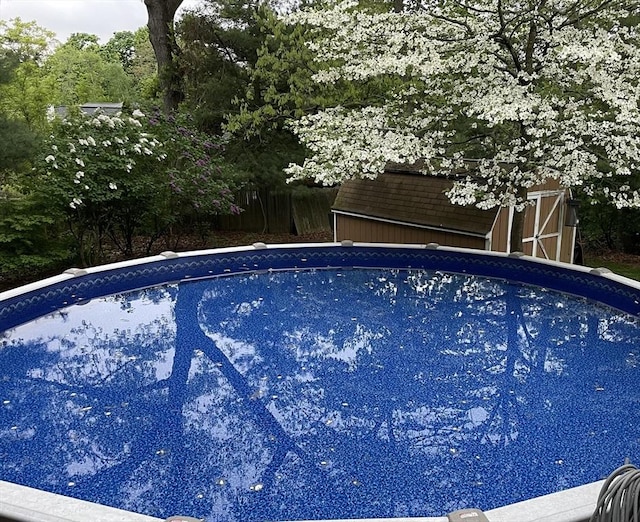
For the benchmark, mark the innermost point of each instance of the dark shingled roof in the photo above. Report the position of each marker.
(411, 198)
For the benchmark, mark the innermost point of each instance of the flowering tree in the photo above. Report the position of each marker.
(535, 90)
(197, 176)
(101, 169)
(122, 175)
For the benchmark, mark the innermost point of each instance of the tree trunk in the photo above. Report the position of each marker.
(162, 37)
(517, 225)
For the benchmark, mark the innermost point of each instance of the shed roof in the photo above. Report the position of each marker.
(411, 198)
(91, 107)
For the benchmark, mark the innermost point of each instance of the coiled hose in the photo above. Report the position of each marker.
(619, 498)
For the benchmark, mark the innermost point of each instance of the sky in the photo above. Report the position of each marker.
(64, 17)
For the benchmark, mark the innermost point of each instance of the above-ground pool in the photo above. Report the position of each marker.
(319, 382)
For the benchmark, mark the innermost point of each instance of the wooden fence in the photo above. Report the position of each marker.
(295, 211)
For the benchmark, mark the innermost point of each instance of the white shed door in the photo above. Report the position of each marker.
(543, 225)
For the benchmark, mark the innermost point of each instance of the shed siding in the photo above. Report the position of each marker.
(499, 234)
(396, 208)
(370, 231)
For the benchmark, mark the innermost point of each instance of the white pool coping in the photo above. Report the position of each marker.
(24, 504)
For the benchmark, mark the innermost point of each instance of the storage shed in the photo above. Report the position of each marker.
(405, 206)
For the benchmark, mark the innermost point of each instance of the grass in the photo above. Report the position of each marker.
(621, 264)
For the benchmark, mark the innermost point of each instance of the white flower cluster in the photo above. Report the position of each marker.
(355, 143)
(100, 146)
(545, 90)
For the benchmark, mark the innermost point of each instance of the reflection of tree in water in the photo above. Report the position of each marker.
(67, 406)
(319, 395)
(451, 409)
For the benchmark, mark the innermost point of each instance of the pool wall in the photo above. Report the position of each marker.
(77, 285)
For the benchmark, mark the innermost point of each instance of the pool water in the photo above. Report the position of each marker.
(320, 394)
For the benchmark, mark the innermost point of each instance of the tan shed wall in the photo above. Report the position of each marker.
(371, 231)
(499, 234)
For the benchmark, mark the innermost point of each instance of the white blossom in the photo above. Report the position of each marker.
(560, 108)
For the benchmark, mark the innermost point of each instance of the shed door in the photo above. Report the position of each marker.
(543, 225)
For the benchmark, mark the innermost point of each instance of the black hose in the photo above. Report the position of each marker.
(619, 498)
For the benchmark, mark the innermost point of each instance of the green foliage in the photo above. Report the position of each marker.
(198, 177)
(31, 238)
(26, 40)
(16, 139)
(77, 76)
(24, 92)
(143, 68)
(603, 227)
(282, 85)
(217, 45)
(262, 161)
(121, 48)
(220, 48)
(133, 51)
(83, 42)
(17, 143)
